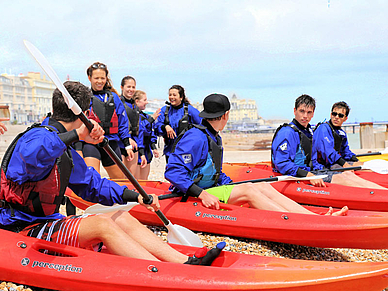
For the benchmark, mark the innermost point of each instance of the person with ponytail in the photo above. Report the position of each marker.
(128, 88)
(147, 136)
(108, 111)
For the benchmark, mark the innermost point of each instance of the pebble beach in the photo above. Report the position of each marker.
(234, 244)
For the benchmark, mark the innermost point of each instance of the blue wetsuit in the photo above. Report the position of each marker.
(332, 149)
(191, 153)
(33, 159)
(288, 155)
(149, 138)
(175, 114)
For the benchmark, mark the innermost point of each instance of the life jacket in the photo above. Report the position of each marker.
(207, 175)
(133, 116)
(303, 156)
(337, 141)
(105, 114)
(183, 124)
(40, 198)
(147, 137)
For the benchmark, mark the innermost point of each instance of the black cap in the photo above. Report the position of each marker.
(215, 105)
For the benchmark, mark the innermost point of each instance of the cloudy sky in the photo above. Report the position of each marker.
(270, 51)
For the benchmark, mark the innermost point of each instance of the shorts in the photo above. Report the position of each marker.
(63, 231)
(95, 151)
(329, 174)
(221, 192)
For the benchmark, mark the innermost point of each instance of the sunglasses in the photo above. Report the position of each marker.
(340, 115)
(98, 66)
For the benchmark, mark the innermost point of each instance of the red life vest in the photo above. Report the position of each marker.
(105, 114)
(40, 198)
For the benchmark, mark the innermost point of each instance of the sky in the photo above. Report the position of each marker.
(270, 51)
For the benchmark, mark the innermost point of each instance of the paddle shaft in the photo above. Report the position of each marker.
(271, 179)
(105, 145)
(369, 154)
(346, 169)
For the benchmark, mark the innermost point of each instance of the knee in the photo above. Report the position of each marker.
(103, 224)
(248, 190)
(123, 217)
(347, 175)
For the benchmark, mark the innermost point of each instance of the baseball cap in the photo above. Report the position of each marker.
(214, 105)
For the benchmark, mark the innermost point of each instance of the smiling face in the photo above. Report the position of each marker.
(304, 114)
(174, 97)
(142, 102)
(129, 88)
(337, 120)
(98, 79)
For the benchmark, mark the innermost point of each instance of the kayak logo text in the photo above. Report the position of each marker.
(58, 267)
(299, 189)
(220, 217)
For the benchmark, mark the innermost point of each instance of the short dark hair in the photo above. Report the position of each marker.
(341, 104)
(305, 100)
(80, 93)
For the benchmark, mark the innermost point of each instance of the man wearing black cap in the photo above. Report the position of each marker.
(195, 164)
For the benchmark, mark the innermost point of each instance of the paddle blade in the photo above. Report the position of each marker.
(180, 235)
(378, 166)
(98, 208)
(45, 65)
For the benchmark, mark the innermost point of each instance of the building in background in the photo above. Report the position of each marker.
(243, 115)
(28, 96)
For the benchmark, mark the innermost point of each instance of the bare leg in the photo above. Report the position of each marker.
(132, 165)
(114, 172)
(144, 172)
(264, 196)
(93, 162)
(351, 179)
(124, 235)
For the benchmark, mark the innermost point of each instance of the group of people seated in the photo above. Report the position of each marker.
(62, 149)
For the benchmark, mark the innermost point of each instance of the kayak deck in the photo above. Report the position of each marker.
(359, 229)
(27, 263)
(332, 195)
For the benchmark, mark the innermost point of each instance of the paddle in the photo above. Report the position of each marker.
(280, 178)
(98, 208)
(176, 234)
(383, 152)
(378, 166)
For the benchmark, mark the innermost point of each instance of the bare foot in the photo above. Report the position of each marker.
(342, 212)
(330, 211)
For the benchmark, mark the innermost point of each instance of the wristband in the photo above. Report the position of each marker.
(128, 147)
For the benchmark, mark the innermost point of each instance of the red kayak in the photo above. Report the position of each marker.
(332, 195)
(380, 179)
(26, 260)
(359, 229)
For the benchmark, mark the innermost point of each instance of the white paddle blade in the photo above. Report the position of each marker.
(45, 65)
(378, 166)
(291, 178)
(180, 235)
(384, 151)
(98, 208)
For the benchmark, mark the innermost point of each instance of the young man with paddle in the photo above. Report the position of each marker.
(38, 166)
(195, 167)
(331, 141)
(292, 151)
